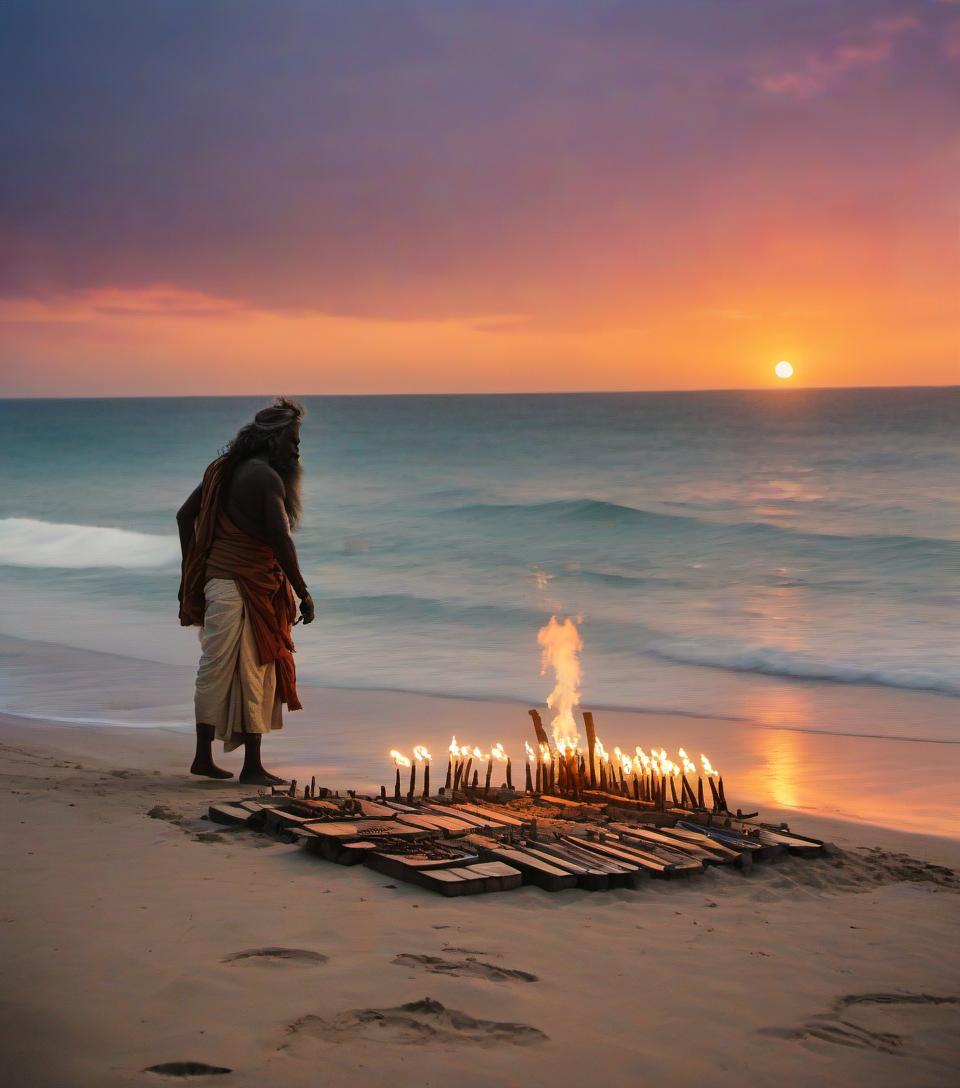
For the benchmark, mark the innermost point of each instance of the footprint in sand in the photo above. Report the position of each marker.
(164, 812)
(284, 957)
(468, 967)
(418, 1022)
(924, 1025)
(183, 1070)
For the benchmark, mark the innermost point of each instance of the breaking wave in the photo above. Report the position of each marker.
(28, 542)
(618, 515)
(773, 661)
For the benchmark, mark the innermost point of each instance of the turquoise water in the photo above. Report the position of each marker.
(722, 549)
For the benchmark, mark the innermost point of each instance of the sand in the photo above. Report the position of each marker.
(136, 934)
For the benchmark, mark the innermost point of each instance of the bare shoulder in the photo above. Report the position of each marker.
(257, 476)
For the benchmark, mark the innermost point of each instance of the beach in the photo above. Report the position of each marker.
(125, 911)
(756, 580)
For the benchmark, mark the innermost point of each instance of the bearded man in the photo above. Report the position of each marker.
(239, 577)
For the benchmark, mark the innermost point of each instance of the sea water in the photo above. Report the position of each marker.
(774, 556)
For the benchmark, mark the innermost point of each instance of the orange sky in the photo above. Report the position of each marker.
(479, 200)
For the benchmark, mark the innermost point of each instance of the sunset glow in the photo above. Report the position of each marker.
(783, 370)
(483, 198)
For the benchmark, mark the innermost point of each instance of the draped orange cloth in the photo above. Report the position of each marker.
(268, 599)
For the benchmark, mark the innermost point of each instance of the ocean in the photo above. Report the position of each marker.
(784, 536)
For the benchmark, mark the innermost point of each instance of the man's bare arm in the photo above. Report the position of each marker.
(277, 527)
(186, 519)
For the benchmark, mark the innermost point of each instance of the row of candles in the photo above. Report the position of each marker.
(646, 777)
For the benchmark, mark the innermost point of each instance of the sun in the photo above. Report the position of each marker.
(783, 370)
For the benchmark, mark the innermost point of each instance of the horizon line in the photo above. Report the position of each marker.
(781, 389)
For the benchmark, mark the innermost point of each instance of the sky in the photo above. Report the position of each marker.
(255, 196)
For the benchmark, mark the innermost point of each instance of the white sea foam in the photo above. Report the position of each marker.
(28, 542)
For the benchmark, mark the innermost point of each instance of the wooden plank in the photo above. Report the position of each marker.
(273, 820)
(534, 870)
(468, 817)
(445, 881)
(431, 822)
(307, 806)
(737, 841)
(505, 877)
(678, 863)
(676, 845)
(617, 860)
(227, 814)
(648, 862)
(491, 814)
(402, 865)
(598, 797)
(613, 866)
(590, 878)
(725, 854)
(373, 810)
(796, 844)
(355, 829)
(335, 850)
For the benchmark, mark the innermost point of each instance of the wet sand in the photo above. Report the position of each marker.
(899, 766)
(136, 934)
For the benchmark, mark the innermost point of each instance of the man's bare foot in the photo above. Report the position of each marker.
(209, 770)
(260, 777)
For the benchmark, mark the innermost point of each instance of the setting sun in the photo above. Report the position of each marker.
(783, 370)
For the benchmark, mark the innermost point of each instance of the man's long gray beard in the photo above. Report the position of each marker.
(292, 475)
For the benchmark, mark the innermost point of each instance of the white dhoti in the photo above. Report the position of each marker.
(235, 693)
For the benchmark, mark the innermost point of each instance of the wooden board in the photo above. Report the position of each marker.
(402, 865)
(726, 854)
(273, 820)
(535, 870)
(430, 821)
(459, 813)
(735, 841)
(228, 814)
(332, 849)
(356, 829)
(491, 814)
(306, 806)
(374, 810)
(649, 863)
(679, 863)
(598, 797)
(685, 847)
(796, 844)
(590, 874)
(471, 879)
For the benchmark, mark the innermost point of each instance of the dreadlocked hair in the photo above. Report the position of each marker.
(260, 438)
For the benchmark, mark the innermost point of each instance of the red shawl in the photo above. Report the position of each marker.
(270, 604)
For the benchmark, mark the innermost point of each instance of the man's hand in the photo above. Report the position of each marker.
(306, 609)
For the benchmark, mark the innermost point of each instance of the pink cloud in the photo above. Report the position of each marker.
(163, 300)
(818, 70)
(951, 44)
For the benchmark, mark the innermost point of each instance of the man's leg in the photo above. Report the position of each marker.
(252, 770)
(203, 759)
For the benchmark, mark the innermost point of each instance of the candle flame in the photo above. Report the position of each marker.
(399, 758)
(689, 767)
(498, 753)
(531, 755)
(420, 753)
(454, 747)
(708, 767)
